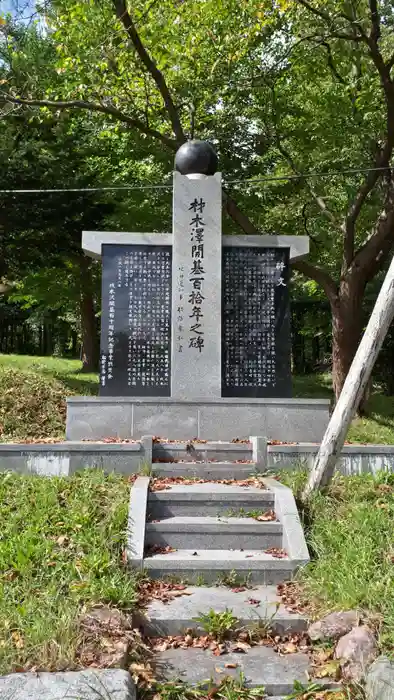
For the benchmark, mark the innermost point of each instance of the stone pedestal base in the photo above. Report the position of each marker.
(286, 420)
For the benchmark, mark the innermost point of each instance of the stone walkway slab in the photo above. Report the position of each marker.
(261, 667)
(108, 684)
(163, 619)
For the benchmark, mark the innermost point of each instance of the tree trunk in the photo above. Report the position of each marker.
(354, 387)
(347, 327)
(90, 351)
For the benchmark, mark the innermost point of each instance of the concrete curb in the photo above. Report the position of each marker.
(147, 448)
(136, 521)
(287, 513)
(65, 458)
(259, 452)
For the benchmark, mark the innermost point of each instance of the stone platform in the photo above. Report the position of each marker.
(90, 684)
(287, 420)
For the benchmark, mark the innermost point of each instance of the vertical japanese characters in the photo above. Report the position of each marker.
(149, 304)
(137, 336)
(107, 361)
(251, 301)
(180, 310)
(196, 275)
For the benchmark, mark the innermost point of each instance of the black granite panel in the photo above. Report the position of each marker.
(256, 342)
(135, 351)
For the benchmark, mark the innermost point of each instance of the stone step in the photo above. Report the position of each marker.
(214, 533)
(261, 666)
(202, 451)
(208, 565)
(208, 498)
(253, 607)
(205, 470)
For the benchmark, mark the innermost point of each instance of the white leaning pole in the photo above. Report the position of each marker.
(354, 386)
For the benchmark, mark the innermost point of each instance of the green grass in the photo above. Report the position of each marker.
(227, 689)
(236, 689)
(217, 624)
(68, 372)
(61, 543)
(33, 392)
(377, 427)
(350, 534)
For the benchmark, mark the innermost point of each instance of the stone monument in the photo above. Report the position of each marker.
(195, 326)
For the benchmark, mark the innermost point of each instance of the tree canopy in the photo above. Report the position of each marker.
(297, 92)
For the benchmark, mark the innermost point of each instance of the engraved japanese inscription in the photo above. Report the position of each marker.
(136, 321)
(255, 322)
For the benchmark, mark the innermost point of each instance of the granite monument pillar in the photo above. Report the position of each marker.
(195, 333)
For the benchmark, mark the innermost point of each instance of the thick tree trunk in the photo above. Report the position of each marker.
(347, 326)
(90, 351)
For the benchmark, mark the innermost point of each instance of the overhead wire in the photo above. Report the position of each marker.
(250, 182)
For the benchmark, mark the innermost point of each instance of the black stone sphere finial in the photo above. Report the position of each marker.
(196, 157)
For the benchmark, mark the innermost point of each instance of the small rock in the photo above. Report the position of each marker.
(333, 626)
(356, 651)
(380, 680)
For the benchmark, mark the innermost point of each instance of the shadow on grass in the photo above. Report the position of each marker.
(312, 386)
(80, 384)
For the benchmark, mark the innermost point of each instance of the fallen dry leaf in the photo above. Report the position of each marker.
(322, 655)
(290, 594)
(158, 549)
(62, 540)
(17, 640)
(276, 552)
(241, 647)
(231, 665)
(164, 591)
(165, 483)
(220, 650)
(332, 669)
(289, 648)
(142, 674)
(266, 517)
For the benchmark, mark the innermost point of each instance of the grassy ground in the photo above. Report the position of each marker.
(33, 391)
(61, 549)
(61, 544)
(377, 427)
(68, 372)
(349, 530)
